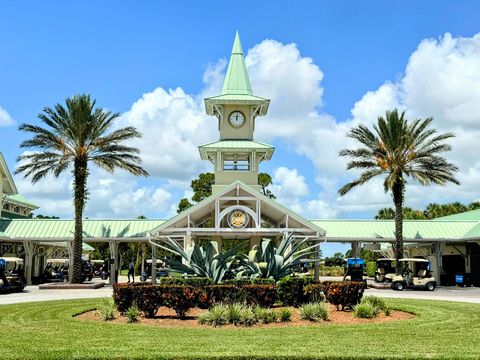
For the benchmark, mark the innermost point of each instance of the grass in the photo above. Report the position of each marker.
(47, 330)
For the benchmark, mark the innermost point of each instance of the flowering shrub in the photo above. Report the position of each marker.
(291, 290)
(262, 295)
(344, 294)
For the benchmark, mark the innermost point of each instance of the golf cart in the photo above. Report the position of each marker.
(56, 270)
(385, 270)
(162, 271)
(11, 275)
(100, 269)
(354, 267)
(416, 274)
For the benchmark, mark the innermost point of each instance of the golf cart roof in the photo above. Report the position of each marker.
(57, 260)
(97, 261)
(12, 259)
(386, 259)
(414, 260)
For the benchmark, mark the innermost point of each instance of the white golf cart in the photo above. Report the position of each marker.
(11, 275)
(385, 270)
(416, 274)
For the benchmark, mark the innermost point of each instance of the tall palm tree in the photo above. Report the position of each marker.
(74, 136)
(398, 149)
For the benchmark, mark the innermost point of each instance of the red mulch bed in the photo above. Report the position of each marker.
(167, 318)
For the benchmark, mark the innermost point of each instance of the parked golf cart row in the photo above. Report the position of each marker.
(56, 270)
(416, 273)
(11, 275)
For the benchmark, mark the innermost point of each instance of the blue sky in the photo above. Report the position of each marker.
(118, 51)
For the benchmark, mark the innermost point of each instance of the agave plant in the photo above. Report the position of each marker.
(267, 261)
(204, 261)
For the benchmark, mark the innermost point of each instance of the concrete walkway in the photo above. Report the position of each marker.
(447, 293)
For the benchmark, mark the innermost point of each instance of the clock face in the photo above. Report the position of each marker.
(236, 119)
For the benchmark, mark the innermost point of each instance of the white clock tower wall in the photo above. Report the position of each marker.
(227, 131)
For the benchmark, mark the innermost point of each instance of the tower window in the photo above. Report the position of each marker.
(236, 163)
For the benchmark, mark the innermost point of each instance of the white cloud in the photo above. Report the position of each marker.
(441, 79)
(5, 118)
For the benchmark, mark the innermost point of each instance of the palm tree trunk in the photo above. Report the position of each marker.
(397, 191)
(80, 172)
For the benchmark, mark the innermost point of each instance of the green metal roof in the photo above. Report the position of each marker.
(19, 199)
(63, 229)
(467, 215)
(237, 81)
(385, 229)
(237, 144)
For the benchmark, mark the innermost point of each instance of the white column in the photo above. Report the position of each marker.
(29, 247)
(113, 247)
(356, 249)
(438, 249)
(154, 265)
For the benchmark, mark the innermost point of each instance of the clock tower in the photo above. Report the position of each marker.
(236, 156)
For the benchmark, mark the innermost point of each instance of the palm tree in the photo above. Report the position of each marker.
(398, 149)
(77, 135)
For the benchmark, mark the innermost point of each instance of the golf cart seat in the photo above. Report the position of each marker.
(422, 273)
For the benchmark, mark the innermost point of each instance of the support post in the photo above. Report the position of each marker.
(438, 249)
(113, 247)
(187, 242)
(29, 247)
(154, 265)
(70, 260)
(316, 264)
(355, 249)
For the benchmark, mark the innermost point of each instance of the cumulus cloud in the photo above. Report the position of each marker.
(5, 118)
(441, 79)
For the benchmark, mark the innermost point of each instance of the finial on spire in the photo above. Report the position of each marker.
(237, 45)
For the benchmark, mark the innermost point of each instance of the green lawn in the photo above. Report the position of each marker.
(47, 330)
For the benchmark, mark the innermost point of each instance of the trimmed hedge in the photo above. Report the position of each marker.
(244, 281)
(263, 295)
(315, 292)
(344, 294)
(192, 281)
(291, 290)
(371, 267)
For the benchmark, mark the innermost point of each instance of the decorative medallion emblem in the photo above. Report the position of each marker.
(237, 219)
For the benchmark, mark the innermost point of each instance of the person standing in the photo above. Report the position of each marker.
(131, 271)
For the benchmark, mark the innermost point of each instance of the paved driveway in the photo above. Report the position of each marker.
(448, 293)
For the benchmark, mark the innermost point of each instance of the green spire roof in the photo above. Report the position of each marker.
(237, 81)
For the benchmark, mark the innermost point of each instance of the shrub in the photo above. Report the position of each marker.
(387, 311)
(365, 311)
(147, 299)
(247, 316)
(123, 295)
(284, 315)
(132, 314)
(216, 316)
(263, 295)
(371, 267)
(107, 309)
(191, 281)
(375, 301)
(227, 294)
(344, 294)
(265, 316)
(234, 313)
(314, 311)
(180, 298)
(249, 281)
(315, 292)
(291, 290)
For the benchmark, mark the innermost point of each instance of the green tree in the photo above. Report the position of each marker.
(265, 180)
(397, 149)
(408, 213)
(76, 135)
